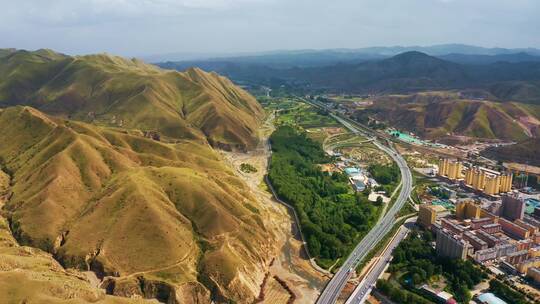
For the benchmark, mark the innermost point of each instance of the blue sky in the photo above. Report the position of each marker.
(146, 27)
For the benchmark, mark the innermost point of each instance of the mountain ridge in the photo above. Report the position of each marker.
(130, 208)
(114, 169)
(341, 53)
(404, 73)
(130, 93)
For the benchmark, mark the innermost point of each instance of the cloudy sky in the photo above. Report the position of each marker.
(147, 27)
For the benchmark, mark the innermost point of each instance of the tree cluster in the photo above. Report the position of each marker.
(332, 216)
(385, 174)
(419, 261)
(506, 293)
(399, 295)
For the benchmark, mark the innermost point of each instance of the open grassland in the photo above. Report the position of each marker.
(147, 213)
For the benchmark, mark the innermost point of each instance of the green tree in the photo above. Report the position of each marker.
(332, 217)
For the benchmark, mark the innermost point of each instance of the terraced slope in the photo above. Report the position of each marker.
(159, 220)
(436, 115)
(114, 91)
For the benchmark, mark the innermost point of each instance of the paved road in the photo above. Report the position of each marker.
(339, 280)
(363, 289)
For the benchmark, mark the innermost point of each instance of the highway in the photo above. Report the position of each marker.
(363, 289)
(333, 289)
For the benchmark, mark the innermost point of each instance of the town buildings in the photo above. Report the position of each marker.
(467, 209)
(484, 180)
(534, 273)
(450, 168)
(427, 214)
(490, 182)
(512, 207)
(476, 233)
(451, 245)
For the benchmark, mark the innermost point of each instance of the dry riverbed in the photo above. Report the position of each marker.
(290, 278)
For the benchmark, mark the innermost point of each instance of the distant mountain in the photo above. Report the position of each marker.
(5, 52)
(411, 71)
(489, 59)
(414, 71)
(406, 72)
(445, 49)
(291, 59)
(315, 58)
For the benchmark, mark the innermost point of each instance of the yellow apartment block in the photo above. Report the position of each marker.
(450, 168)
(492, 185)
(506, 182)
(489, 181)
(479, 179)
(525, 265)
(485, 213)
(467, 210)
(426, 216)
(443, 167)
(469, 176)
(454, 170)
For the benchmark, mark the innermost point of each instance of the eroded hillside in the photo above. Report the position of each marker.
(136, 211)
(438, 115)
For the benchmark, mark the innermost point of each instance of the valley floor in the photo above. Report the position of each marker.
(291, 276)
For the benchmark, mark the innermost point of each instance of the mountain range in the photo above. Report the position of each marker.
(403, 73)
(310, 57)
(114, 91)
(476, 93)
(111, 166)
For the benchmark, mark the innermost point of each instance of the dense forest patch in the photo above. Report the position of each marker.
(332, 216)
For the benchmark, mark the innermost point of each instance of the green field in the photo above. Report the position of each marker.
(293, 112)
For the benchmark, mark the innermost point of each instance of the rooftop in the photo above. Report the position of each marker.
(531, 204)
(352, 171)
(490, 298)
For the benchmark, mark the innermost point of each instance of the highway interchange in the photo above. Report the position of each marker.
(334, 287)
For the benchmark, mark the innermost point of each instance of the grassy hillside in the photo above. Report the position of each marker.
(5, 52)
(164, 220)
(30, 275)
(114, 91)
(525, 152)
(435, 115)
